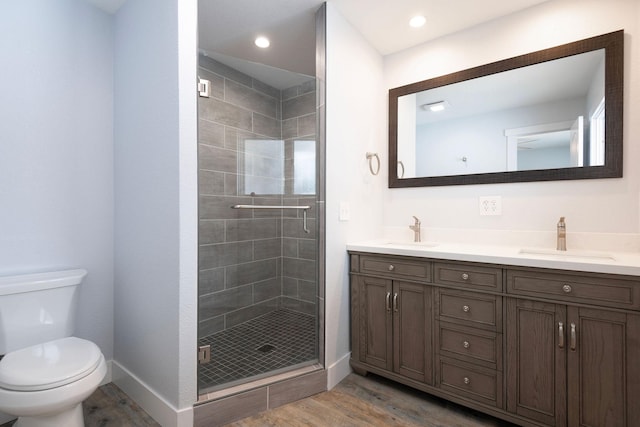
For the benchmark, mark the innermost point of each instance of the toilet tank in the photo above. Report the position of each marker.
(36, 308)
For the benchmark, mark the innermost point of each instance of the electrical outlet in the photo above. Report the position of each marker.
(490, 205)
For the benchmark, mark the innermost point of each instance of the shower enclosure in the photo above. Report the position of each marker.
(258, 230)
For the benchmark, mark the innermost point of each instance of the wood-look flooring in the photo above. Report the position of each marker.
(357, 401)
(371, 401)
(109, 406)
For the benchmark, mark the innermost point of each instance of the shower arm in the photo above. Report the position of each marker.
(303, 208)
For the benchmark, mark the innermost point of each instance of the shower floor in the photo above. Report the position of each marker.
(277, 340)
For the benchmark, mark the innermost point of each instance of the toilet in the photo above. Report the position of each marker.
(45, 372)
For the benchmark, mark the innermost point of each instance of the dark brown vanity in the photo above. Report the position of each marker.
(534, 346)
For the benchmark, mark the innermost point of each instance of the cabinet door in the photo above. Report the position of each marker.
(536, 361)
(603, 373)
(412, 331)
(375, 322)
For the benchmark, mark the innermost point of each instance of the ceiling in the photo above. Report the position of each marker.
(229, 27)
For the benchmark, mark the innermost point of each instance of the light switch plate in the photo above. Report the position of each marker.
(345, 211)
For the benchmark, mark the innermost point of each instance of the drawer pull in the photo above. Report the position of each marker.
(466, 308)
(566, 288)
(388, 301)
(465, 276)
(560, 335)
(466, 344)
(391, 267)
(466, 380)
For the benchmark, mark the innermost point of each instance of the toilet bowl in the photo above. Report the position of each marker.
(44, 385)
(46, 372)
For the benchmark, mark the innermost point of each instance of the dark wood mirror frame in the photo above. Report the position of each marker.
(613, 43)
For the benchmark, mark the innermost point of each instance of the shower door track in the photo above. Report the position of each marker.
(302, 208)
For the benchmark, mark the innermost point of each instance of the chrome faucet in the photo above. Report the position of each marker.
(416, 229)
(562, 235)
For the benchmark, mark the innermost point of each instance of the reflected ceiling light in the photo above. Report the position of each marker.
(262, 42)
(417, 21)
(435, 106)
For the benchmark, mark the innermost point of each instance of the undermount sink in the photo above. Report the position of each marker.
(586, 255)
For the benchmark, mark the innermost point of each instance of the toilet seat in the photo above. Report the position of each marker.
(49, 365)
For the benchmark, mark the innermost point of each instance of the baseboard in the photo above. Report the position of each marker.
(338, 371)
(108, 377)
(152, 403)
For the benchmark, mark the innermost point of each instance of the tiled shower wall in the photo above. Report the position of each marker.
(251, 262)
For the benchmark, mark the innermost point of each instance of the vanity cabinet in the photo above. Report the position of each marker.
(534, 346)
(392, 318)
(568, 364)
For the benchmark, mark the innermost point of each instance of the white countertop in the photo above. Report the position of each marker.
(627, 263)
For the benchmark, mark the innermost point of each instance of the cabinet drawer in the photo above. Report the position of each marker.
(593, 289)
(470, 344)
(469, 276)
(474, 382)
(477, 310)
(396, 268)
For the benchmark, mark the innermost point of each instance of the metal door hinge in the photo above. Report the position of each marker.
(204, 88)
(204, 354)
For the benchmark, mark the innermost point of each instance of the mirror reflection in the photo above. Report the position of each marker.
(526, 118)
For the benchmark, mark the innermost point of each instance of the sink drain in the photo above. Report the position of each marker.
(266, 348)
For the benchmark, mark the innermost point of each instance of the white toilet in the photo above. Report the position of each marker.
(45, 373)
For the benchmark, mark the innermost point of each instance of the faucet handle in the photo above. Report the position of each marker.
(416, 219)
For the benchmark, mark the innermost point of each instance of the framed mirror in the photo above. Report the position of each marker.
(554, 114)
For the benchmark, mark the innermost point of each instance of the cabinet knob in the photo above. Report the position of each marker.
(566, 288)
(391, 267)
(466, 308)
(466, 380)
(466, 344)
(465, 276)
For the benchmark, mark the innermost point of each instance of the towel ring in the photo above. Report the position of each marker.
(401, 175)
(369, 157)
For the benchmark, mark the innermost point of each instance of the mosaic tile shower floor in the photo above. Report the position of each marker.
(277, 340)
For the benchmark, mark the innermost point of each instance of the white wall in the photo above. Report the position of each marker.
(606, 206)
(355, 125)
(156, 206)
(56, 158)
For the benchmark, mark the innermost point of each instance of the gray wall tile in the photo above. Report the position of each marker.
(269, 289)
(299, 106)
(299, 268)
(225, 113)
(211, 231)
(210, 133)
(225, 254)
(267, 248)
(251, 312)
(251, 272)
(250, 99)
(216, 304)
(217, 159)
(210, 182)
(210, 281)
(267, 126)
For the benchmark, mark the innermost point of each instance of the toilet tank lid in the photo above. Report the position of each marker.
(39, 281)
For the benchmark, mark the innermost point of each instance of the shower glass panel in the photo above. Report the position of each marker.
(258, 287)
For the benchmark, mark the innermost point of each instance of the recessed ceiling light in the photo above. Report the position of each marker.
(262, 42)
(417, 21)
(435, 106)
